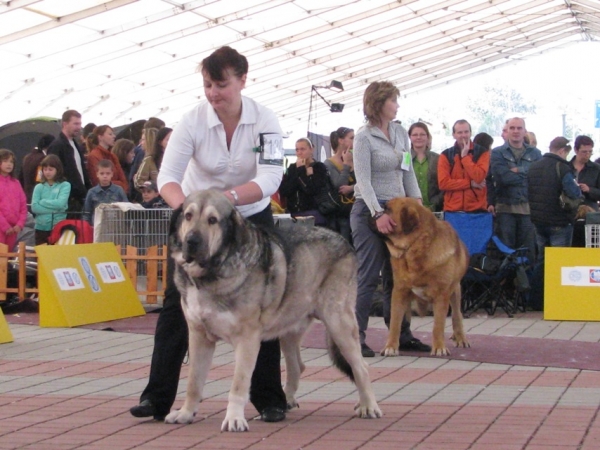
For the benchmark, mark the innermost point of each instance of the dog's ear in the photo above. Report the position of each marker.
(235, 227)
(174, 225)
(409, 219)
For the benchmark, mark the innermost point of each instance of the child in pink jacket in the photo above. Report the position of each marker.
(13, 203)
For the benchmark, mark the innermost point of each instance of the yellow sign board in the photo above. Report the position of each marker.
(572, 284)
(82, 284)
(5, 334)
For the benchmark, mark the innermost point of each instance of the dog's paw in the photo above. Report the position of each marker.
(291, 404)
(180, 416)
(440, 351)
(463, 343)
(389, 351)
(368, 411)
(234, 424)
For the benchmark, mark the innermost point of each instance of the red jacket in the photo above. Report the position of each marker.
(454, 178)
(100, 153)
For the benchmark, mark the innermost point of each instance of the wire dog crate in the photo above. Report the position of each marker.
(592, 236)
(140, 228)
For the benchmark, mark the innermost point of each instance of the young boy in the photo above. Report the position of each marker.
(150, 196)
(103, 192)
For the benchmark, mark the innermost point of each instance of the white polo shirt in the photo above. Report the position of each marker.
(197, 156)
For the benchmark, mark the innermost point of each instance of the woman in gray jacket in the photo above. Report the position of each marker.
(384, 170)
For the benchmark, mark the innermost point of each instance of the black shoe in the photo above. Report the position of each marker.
(272, 414)
(366, 351)
(415, 345)
(146, 409)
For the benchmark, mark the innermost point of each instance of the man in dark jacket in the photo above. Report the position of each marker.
(509, 166)
(587, 173)
(72, 157)
(553, 225)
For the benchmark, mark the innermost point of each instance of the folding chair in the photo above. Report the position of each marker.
(501, 285)
(487, 285)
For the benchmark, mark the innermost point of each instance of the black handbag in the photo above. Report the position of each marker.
(328, 201)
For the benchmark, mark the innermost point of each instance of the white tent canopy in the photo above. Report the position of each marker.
(121, 60)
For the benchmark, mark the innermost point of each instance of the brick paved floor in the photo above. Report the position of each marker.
(63, 389)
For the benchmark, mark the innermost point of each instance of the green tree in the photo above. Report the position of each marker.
(492, 105)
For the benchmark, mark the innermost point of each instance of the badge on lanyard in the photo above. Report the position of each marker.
(271, 149)
(406, 160)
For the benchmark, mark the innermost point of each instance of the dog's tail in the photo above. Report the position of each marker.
(338, 359)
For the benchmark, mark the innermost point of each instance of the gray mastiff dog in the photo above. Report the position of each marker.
(244, 285)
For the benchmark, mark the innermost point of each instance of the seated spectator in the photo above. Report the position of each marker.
(104, 192)
(340, 169)
(425, 163)
(587, 173)
(303, 180)
(151, 197)
(30, 171)
(462, 170)
(101, 141)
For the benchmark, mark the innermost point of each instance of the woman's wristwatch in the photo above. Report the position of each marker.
(378, 214)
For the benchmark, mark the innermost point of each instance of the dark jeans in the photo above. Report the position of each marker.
(515, 231)
(373, 260)
(171, 345)
(547, 236)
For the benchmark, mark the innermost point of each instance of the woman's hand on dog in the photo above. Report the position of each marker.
(385, 224)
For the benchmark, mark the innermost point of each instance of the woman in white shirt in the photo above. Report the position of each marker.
(214, 147)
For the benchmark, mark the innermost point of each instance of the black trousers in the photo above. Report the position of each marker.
(171, 345)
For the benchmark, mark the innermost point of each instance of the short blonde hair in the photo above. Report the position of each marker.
(375, 96)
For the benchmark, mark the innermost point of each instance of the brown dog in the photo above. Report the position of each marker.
(428, 261)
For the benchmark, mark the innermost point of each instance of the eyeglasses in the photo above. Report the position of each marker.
(586, 152)
(418, 135)
(341, 132)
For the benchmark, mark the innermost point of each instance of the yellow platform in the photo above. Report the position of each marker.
(5, 334)
(82, 284)
(572, 284)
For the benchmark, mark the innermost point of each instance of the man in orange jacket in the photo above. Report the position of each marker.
(462, 169)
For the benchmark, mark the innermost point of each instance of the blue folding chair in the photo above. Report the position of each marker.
(489, 286)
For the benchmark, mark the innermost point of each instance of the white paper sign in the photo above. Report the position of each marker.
(580, 276)
(110, 272)
(68, 279)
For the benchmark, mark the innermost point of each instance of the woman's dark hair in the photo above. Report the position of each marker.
(91, 141)
(484, 140)
(340, 133)
(159, 151)
(44, 142)
(88, 129)
(53, 161)
(121, 149)
(221, 59)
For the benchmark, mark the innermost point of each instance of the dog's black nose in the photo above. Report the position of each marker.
(192, 243)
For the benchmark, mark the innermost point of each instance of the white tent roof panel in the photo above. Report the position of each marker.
(121, 60)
